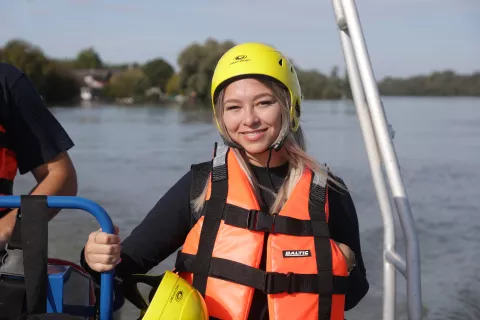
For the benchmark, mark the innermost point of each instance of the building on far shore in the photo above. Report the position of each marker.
(92, 81)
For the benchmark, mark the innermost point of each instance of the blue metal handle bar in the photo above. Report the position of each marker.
(64, 202)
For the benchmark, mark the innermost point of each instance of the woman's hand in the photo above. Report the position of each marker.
(348, 254)
(102, 251)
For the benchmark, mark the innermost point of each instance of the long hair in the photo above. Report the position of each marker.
(294, 144)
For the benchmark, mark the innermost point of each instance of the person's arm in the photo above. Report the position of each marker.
(57, 177)
(344, 228)
(162, 232)
(40, 145)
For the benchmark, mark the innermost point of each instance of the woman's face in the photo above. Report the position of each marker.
(252, 115)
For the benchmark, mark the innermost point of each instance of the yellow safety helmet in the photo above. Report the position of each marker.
(257, 59)
(174, 298)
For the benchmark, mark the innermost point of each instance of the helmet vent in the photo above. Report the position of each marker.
(280, 62)
(291, 69)
(297, 109)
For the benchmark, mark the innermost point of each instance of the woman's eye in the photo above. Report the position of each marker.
(266, 102)
(232, 107)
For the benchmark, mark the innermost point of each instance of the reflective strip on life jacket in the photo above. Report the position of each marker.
(306, 276)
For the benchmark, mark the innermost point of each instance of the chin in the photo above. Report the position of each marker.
(255, 148)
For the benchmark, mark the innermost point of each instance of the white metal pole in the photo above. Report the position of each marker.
(389, 283)
(389, 160)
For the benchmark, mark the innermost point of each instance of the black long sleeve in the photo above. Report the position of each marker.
(343, 226)
(162, 232)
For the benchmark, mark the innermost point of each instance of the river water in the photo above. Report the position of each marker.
(127, 158)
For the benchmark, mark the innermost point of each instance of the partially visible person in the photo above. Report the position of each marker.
(31, 140)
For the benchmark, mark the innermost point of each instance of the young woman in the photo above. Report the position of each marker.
(267, 232)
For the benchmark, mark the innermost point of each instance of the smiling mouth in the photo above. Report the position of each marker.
(252, 133)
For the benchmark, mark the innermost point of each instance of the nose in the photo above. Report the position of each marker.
(250, 118)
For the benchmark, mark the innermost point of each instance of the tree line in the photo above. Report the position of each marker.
(58, 82)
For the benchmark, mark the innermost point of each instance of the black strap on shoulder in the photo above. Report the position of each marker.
(256, 220)
(213, 216)
(268, 282)
(200, 175)
(323, 250)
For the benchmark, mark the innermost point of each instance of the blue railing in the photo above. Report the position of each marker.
(63, 202)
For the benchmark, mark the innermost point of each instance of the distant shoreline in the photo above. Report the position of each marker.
(88, 78)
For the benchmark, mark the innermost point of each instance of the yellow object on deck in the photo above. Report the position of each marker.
(176, 299)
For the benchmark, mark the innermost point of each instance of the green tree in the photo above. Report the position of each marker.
(197, 63)
(312, 82)
(331, 92)
(88, 59)
(158, 72)
(173, 85)
(53, 80)
(61, 84)
(440, 83)
(29, 59)
(128, 84)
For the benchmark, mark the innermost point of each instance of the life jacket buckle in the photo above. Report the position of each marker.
(260, 221)
(276, 282)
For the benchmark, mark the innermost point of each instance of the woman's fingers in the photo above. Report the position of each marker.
(102, 251)
(100, 237)
(108, 249)
(103, 259)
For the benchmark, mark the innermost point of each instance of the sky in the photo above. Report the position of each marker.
(404, 37)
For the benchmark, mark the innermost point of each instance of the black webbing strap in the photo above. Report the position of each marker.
(35, 251)
(268, 282)
(323, 251)
(256, 220)
(213, 216)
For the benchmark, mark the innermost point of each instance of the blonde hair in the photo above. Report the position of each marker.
(294, 144)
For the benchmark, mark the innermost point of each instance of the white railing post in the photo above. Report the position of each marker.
(383, 163)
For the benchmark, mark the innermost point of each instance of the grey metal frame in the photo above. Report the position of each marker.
(383, 164)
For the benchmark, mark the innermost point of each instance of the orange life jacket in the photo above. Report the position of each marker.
(306, 273)
(8, 166)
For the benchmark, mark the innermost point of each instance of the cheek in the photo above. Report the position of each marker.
(274, 118)
(230, 122)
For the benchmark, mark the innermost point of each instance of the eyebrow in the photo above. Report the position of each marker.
(260, 95)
